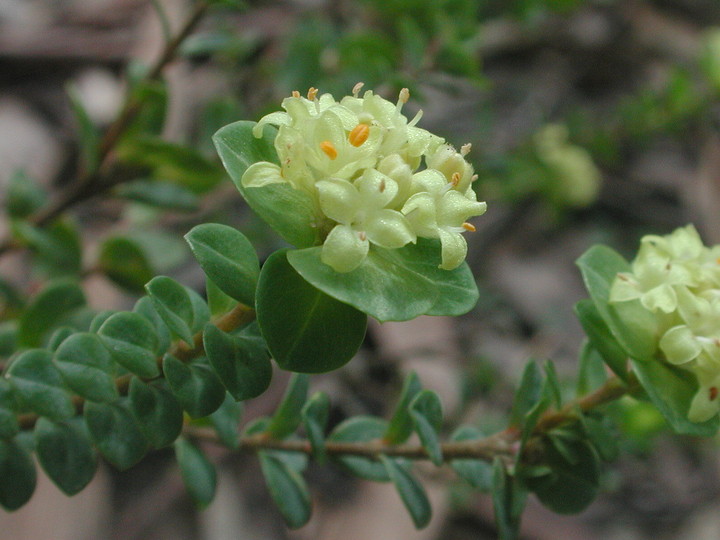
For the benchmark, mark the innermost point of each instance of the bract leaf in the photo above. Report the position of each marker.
(305, 329)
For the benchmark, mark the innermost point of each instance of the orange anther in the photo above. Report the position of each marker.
(329, 149)
(469, 227)
(312, 93)
(455, 179)
(713, 393)
(295, 94)
(359, 134)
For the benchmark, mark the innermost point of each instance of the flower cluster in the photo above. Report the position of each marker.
(361, 161)
(677, 278)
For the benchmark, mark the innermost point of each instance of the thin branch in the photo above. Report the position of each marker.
(92, 182)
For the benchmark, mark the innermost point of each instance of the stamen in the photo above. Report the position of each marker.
(362, 236)
(404, 96)
(465, 149)
(312, 93)
(295, 94)
(382, 185)
(359, 134)
(455, 179)
(329, 149)
(356, 89)
(469, 227)
(713, 391)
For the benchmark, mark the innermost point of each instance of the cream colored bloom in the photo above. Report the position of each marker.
(360, 160)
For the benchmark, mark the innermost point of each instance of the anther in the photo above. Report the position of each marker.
(469, 227)
(312, 93)
(356, 89)
(362, 235)
(359, 134)
(713, 391)
(455, 179)
(295, 94)
(382, 185)
(404, 95)
(329, 149)
(465, 149)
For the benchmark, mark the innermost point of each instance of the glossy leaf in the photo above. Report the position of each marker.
(238, 149)
(411, 492)
(157, 412)
(633, 326)
(288, 414)
(361, 429)
(86, 366)
(426, 413)
(401, 424)
(228, 259)
(241, 362)
(198, 474)
(226, 421)
(479, 474)
(601, 338)
(671, 389)
(306, 330)
(218, 302)
(124, 262)
(288, 490)
(56, 301)
(315, 414)
(39, 385)
(196, 386)
(131, 340)
(145, 307)
(115, 433)
(65, 453)
(17, 475)
(173, 304)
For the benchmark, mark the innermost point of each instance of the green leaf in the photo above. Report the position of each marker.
(361, 429)
(115, 433)
(426, 412)
(145, 307)
(634, 327)
(242, 362)
(196, 386)
(17, 475)
(8, 338)
(288, 490)
(124, 262)
(131, 339)
(238, 149)
(218, 302)
(288, 415)
(315, 414)
(228, 259)
(24, 195)
(411, 492)
(182, 309)
(172, 162)
(158, 413)
(573, 483)
(99, 318)
(57, 246)
(226, 421)
(39, 385)
(198, 474)
(305, 329)
(591, 370)
(8, 419)
(58, 336)
(87, 367)
(671, 389)
(152, 96)
(65, 453)
(601, 338)
(528, 394)
(393, 284)
(89, 134)
(479, 474)
(401, 424)
(57, 300)
(159, 194)
(509, 501)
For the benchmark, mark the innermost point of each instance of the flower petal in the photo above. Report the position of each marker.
(261, 174)
(339, 199)
(389, 229)
(679, 345)
(343, 249)
(661, 298)
(454, 249)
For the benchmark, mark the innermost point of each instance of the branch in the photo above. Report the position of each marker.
(92, 182)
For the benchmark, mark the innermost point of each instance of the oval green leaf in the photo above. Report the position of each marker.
(196, 386)
(17, 475)
(132, 341)
(115, 433)
(198, 474)
(124, 262)
(426, 413)
(158, 413)
(288, 490)
(411, 492)
(87, 367)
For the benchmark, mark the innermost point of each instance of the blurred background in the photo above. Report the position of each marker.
(590, 121)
